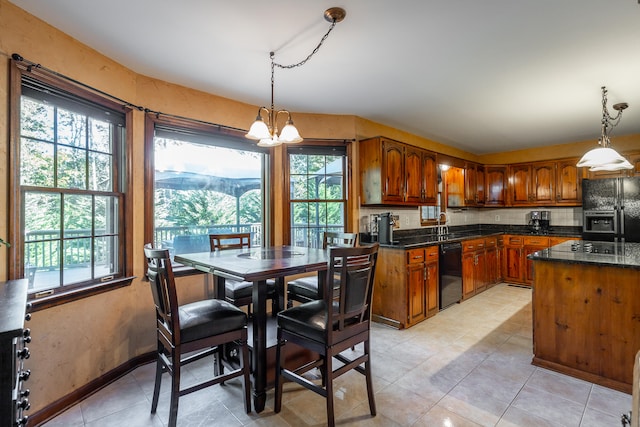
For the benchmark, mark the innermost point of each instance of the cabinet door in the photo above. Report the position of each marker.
(544, 179)
(634, 159)
(470, 185)
(432, 289)
(393, 171)
(468, 274)
(480, 282)
(413, 173)
(417, 292)
(430, 177)
(492, 266)
(495, 185)
(480, 185)
(520, 184)
(568, 183)
(513, 264)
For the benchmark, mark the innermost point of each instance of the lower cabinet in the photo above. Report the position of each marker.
(406, 286)
(517, 267)
(474, 267)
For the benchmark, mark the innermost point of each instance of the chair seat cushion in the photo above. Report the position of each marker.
(308, 319)
(235, 290)
(305, 286)
(209, 317)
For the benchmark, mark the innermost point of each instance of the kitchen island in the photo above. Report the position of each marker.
(586, 310)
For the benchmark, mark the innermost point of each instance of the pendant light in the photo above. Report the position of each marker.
(605, 158)
(266, 132)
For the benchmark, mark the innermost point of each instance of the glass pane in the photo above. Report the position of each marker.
(99, 136)
(78, 215)
(42, 218)
(36, 163)
(77, 260)
(36, 119)
(106, 215)
(299, 189)
(297, 164)
(105, 256)
(42, 266)
(71, 167)
(100, 172)
(335, 214)
(72, 128)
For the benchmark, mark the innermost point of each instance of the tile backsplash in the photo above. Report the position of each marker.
(410, 217)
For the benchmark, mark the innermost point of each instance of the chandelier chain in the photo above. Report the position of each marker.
(333, 24)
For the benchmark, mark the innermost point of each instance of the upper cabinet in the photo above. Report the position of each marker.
(393, 173)
(473, 184)
(495, 180)
(556, 183)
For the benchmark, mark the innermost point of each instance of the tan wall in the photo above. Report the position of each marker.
(77, 342)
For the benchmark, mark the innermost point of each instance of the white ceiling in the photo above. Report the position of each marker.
(484, 76)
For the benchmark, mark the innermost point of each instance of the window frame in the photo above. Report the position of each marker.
(153, 119)
(325, 147)
(122, 173)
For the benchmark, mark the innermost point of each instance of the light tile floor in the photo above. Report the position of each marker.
(468, 366)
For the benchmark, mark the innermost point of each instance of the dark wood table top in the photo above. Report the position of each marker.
(254, 264)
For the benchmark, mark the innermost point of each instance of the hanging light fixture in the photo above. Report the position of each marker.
(605, 158)
(267, 132)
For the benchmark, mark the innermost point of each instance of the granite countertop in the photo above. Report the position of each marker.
(624, 255)
(408, 239)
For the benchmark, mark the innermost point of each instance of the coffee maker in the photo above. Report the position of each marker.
(545, 221)
(534, 221)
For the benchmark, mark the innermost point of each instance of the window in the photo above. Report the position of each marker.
(317, 193)
(70, 188)
(205, 181)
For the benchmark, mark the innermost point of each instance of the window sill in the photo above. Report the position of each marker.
(60, 298)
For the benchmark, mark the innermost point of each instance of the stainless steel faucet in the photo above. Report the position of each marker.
(442, 227)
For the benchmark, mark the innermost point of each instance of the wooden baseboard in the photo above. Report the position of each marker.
(60, 405)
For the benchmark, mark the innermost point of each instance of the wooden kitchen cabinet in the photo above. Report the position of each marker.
(495, 185)
(474, 184)
(433, 289)
(568, 183)
(532, 184)
(513, 268)
(406, 286)
(492, 261)
(532, 244)
(393, 173)
(474, 276)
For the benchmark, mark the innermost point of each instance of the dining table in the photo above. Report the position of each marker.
(258, 265)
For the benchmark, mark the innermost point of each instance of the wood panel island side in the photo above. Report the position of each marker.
(586, 311)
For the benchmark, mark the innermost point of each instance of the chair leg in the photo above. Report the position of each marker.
(367, 373)
(328, 379)
(156, 387)
(175, 388)
(277, 406)
(246, 369)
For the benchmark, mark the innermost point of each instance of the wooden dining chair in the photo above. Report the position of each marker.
(239, 293)
(199, 328)
(306, 289)
(331, 325)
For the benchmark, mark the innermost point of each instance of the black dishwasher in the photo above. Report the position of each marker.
(450, 266)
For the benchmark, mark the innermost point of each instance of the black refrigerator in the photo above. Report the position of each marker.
(611, 209)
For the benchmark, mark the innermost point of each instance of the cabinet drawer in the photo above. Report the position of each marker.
(431, 253)
(515, 240)
(472, 245)
(491, 242)
(536, 241)
(415, 256)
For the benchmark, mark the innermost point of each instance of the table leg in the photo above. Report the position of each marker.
(259, 360)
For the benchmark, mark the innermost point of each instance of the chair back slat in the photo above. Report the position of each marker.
(349, 287)
(163, 289)
(220, 242)
(345, 240)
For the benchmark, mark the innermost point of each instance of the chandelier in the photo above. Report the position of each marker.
(266, 132)
(606, 158)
